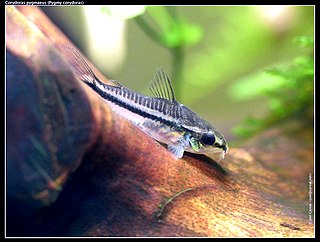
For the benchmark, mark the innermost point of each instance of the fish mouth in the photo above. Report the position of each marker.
(211, 150)
(225, 149)
(222, 150)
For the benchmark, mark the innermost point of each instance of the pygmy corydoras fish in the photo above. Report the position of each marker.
(161, 116)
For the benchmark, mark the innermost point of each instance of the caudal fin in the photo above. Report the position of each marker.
(78, 63)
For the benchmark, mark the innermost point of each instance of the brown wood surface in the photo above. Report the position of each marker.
(75, 168)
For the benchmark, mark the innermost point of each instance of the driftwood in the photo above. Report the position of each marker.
(75, 168)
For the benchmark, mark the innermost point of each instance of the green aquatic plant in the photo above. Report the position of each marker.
(290, 96)
(166, 27)
(173, 32)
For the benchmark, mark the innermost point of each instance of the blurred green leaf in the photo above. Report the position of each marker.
(175, 31)
(248, 128)
(253, 86)
(291, 96)
(182, 34)
(304, 41)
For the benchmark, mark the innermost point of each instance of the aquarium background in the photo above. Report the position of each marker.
(242, 68)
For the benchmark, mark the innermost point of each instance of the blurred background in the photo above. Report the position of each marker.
(239, 67)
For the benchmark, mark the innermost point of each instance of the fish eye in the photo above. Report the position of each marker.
(208, 139)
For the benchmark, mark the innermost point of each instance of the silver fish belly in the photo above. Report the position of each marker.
(162, 117)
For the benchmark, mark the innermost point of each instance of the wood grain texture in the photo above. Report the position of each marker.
(75, 168)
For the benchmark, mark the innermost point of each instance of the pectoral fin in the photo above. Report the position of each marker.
(176, 149)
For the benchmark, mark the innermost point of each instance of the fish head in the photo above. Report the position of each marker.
(201, 136)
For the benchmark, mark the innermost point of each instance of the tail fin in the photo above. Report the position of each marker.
(80, 66)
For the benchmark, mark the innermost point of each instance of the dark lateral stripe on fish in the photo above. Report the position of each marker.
(131, 108)
(148, 102)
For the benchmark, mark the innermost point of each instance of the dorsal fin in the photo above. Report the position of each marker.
(161, 86)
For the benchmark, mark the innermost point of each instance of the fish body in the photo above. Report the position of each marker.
(162, 117)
